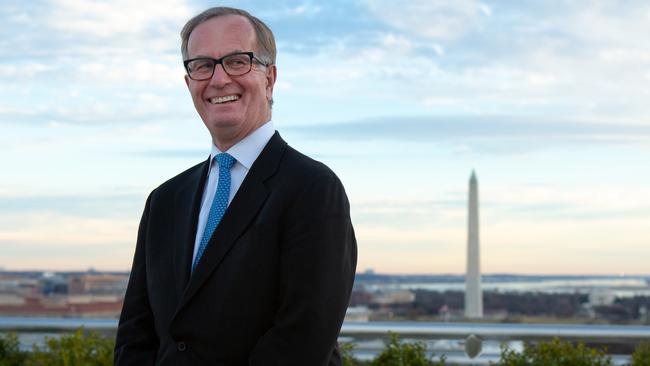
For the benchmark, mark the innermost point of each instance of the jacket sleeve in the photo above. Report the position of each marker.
(319, 254)
(136, 342)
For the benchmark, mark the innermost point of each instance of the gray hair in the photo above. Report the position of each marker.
(264, 35)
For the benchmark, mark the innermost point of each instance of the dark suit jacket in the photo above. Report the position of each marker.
(272, 286)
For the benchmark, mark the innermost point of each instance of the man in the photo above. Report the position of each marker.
(249, 257)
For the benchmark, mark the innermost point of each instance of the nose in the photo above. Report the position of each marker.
(220, 78)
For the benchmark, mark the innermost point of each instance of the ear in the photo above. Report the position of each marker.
(271, 75)
(187, 80)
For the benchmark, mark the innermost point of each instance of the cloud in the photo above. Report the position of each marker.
(560, 203)
(72, 28)
(453, 84)
(514, 203)
(94, 111)
(436, 19)
(101, 62)
(27, 255)
(26, 70)
(405, 214)
(98, 95)
(523, 227)
(64, 231)
(68, 231)
(117, 18)
(106, 206)
(480, 128)
(286, 10)
(173, 153)
(526, 58)
(529, 58)
(146, 71)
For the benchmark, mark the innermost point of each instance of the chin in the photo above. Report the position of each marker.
(223, 122)
(222, 128)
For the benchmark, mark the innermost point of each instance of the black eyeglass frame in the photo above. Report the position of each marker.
(219, 61)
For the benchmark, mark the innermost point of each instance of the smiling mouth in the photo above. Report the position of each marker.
(225, 99)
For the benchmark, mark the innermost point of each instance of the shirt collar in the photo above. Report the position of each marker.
(250, 147)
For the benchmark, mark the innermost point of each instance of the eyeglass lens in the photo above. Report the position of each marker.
(234, 65)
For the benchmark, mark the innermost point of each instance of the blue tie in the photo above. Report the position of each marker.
(219, 203)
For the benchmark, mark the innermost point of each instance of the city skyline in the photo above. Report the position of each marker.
(547, 101)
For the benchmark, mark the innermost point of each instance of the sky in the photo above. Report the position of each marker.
(547, 101)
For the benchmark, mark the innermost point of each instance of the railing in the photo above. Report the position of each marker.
(455, 340)
(470, 337)
(32, 325)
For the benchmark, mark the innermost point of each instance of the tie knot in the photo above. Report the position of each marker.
(225, 160)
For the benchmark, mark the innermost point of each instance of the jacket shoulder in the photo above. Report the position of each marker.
(302, 166)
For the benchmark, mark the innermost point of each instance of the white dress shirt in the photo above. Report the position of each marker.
(245, 152)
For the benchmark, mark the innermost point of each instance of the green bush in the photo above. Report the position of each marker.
(347, 355)
(404, 354)
(555, 353)
(641, 355)
(76, 349)
(10, 354)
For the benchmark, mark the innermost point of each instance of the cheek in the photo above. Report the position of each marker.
(196, 98)
(196, 91)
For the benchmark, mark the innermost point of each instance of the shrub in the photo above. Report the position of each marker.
(76, 349)
(555, 353)
(346, 355)
(10, 354)
(404, 354)
(641, 355)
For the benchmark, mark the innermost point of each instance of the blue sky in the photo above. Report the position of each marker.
(546, 100)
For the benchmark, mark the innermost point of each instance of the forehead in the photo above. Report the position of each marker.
(222, 35)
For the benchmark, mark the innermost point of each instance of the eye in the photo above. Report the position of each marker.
(201, 65)
(237, 61)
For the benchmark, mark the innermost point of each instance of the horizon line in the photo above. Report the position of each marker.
(621, 275)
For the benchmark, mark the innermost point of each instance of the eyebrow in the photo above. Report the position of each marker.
(227, 54)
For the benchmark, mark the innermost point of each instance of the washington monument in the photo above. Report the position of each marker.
(473, 294)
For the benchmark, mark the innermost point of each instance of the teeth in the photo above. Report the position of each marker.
(219, 100)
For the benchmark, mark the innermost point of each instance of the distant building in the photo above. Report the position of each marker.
(97, 284)
(601, 297)
(11, 300)
(62, 294)
(73, 306)
(19, 285)
(393, 297)
(53, 284)
(357, 314)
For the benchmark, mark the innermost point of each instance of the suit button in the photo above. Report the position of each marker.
(181, 346)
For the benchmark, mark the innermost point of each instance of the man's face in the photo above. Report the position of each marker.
(231, 106)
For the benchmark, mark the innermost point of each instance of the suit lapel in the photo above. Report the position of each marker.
(239, 214)
(187, 205)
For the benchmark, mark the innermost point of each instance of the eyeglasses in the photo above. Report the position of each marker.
(235, 64)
